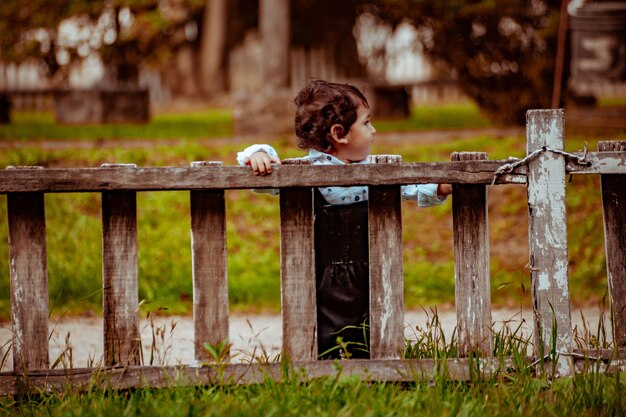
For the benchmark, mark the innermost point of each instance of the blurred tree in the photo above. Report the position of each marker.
(125, 33)
(146, 32)
(30, 29)
(212, 47)
(275, 30)
(502, 52)
(130, 33)
(327, 23)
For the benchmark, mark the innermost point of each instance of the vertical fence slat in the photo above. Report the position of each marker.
(614, 210)
(297, 273)
(548, 239)
(122, 343)
(29, 280)
(210, 268)
(386, 273)
(471, 263)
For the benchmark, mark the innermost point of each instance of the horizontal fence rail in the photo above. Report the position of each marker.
(543, 172)
(230, 177)
(234, 177)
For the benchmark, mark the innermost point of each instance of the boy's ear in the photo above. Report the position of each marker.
(338, 134)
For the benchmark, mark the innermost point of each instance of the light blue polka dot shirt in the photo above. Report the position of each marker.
(424, 194)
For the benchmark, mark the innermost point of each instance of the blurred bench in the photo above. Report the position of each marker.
(71, 106)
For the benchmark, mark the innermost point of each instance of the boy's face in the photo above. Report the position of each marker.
(359, 138)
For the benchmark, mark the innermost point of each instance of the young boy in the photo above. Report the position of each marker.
(333, 122)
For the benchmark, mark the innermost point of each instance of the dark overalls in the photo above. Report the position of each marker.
(342, 277)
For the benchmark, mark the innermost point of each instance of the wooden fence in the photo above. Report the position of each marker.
(35, 99)
(543, 171)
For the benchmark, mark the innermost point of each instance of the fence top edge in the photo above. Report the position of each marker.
(236, 177)
(289, 163)
(216, 176)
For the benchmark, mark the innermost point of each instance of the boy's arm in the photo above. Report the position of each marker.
(252, 149)
(261, 162)
(260, 158)
(444, 190)
(427, 195)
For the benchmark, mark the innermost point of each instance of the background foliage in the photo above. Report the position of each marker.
(501, 53)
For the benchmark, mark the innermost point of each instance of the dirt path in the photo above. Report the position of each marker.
(253, 335)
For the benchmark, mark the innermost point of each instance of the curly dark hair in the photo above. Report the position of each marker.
(322, 104)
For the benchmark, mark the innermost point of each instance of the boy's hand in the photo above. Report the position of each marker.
(261, 162)
(444, 190)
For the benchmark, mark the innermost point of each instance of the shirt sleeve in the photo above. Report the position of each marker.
(246, 153)
(424, 194)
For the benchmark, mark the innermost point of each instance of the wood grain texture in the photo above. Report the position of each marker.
(231, 177)
(29, 280)
(119, 278)
(210, 270)
(297, 274)
(386, 273)
(404, 370)
(548, 239)
(614, 211)
(386, 269)
(599, 163)
(471, 264)
(409, 370)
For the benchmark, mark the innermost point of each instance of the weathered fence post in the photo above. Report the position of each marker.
(614, 210)
(548, 239)
(210, 268)
(386, 273)
(297, 272)
(122, 342)
(471, 263)
(29, 279)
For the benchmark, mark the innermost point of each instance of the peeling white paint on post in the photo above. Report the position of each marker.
(547, 234)
(471, 263)
(386, 298)
(210, 267)
(122, 343)
(614, 211)
(29, 279)
(386, 270)
(297, 272)
(603, 162)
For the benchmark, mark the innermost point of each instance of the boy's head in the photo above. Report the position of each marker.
(321, 105)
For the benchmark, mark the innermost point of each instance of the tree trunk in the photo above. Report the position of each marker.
(212, 44)
(274, 21)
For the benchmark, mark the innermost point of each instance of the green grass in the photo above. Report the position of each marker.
(214, 123)
(612, 101)
(211, 123)
(516, 390)
(589, 395)
(442, 116)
